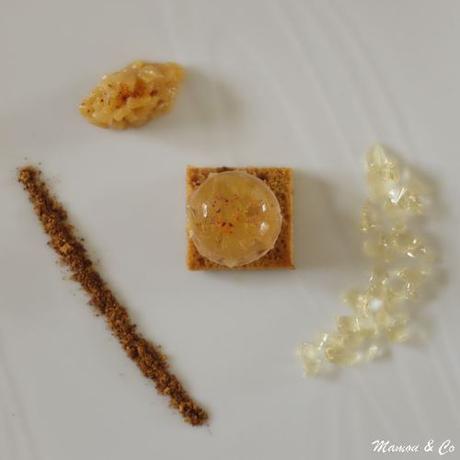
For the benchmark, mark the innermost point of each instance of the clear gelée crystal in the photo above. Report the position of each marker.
(367, 327)
(356, 300)
(311, 357)
(383, 172)
(234, 218)
(374, 351)
(347, 325)
(402, 264)
(404, 199)
(338, 350)
(369, 218)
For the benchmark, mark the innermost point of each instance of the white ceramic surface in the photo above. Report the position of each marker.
(306, 84)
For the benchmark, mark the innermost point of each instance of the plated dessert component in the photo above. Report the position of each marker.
(239, 218)
(134, 95)
(148, 357)
(385, 310)
(233, 218)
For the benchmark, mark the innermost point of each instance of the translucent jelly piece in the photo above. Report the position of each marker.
(411, 280)
(347, 325)
(233, 218)
(338, 351)
(379, 246)
(311, 357)
(336, 354)
(321, 340)
(403, 199)
(399, 333)
(374, 351)
(349, 328)
(369, 218)
(402, 265)
(410, 245)
(396, 327)
(367, 327)
(357, 300)
(383, 171)
(393, 324)
(377, 279)
(386, 246)
(379, 293)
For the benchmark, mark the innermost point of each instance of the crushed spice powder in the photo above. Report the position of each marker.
(148, 357)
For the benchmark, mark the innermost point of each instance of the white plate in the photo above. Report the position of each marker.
(303, 84)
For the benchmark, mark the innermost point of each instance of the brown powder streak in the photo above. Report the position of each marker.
(148, 357)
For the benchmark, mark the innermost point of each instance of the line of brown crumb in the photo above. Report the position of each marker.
(150, 360)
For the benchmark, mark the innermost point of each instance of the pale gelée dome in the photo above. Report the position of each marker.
(234, 218)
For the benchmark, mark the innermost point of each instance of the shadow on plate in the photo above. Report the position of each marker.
(206, 113)
(324, 235)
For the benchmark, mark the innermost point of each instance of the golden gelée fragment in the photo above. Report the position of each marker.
(357, 300)
(133, 95)
(383, 172)
(402, 264)
(369, 218)
(337, 350)
(311, 357)
(233, 218)
(347, 325)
